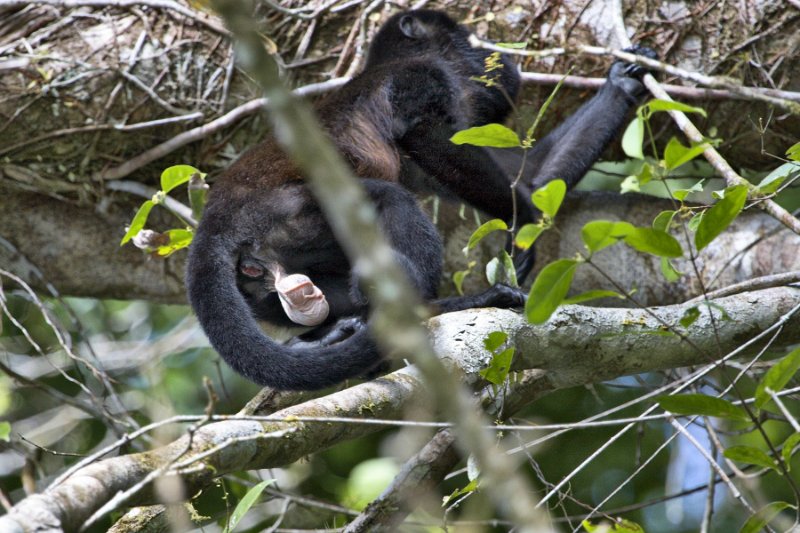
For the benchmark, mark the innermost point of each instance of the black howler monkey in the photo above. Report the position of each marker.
(263, 249)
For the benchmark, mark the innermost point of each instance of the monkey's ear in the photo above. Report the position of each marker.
(412, 27)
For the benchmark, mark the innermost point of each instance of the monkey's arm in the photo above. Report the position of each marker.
(569, 151)
(471, 173)
(468, 172)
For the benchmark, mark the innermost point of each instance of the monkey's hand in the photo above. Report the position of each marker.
(628, 76)
(302, 301)
(331, 334)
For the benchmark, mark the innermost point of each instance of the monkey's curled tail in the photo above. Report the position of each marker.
(233, 331)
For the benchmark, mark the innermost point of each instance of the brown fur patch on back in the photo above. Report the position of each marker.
(367, 139)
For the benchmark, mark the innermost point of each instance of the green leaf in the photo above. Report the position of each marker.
(651, 241)
(138, 222)
(458, 277)
(527, 235)
(751, 456)
(774, 179)
(633, 138)
(246, 503)
(501, 270)
(695, 221)
(592, 295)
(668, 270)
(549, 289)
(676, 154)
(668, 105)
(5, 430)
(700, 404)
(493, 225)
(495, 340)
(548, 198)
(720, 215)
(663, 220)
(494, 274)
(495, 135)
(788, 448)
(178, 239)
(758, 521)
(681, 194)
(620, 526)
(599, 234)
(629, 184)
(777, 377)
(515, 46)
(472, 486)
(793, 152)
(177, 175)
(497, 371)
(690, 316)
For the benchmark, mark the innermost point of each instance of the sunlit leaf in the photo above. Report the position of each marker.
(497, 371)
(485, 229)
(177, 175)
(668, 105)
(592, 295)
(720, 215)
(774, 179)
(458, 277)
(599, 234)
(495, 135)
(777, 377)
(668, 270)
(470, 487)
(495, 340)
(138, 222)
(676, 154)
(793, 152)
(548, 198)
(633, 138)
(629, 184)
(700, 404)
(758, 521)
(527, 235)
(681, 194)
(5, 430)
(695, 221)
(788, 448)
(663, 220)
(514, 46)
(178, 239)
(751, 456)
(246, 503)
(690, 316)
(651, 241)
(621, 525)
(549, 289)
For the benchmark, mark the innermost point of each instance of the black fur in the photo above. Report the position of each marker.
(414, 93)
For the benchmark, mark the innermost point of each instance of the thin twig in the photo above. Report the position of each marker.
(162, 4)
(205, 130)
(763, 282)
(788, 100)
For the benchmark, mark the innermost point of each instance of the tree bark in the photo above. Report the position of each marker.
(579, 345)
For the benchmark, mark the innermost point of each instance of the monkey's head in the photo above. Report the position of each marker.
(432, 36)
(419, 34)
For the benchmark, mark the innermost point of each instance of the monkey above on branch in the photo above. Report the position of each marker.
(264, 251)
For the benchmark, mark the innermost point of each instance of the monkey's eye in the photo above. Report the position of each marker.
(251, 270)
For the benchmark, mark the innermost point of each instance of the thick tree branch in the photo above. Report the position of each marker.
(579, 345)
